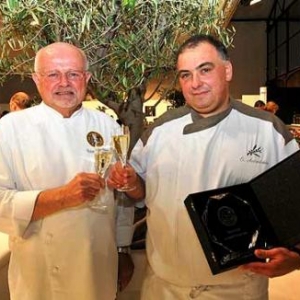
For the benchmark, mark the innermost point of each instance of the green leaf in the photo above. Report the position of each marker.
(129, 3)
(83, 22)
(12, 4)
(35, 18)
(124, 82)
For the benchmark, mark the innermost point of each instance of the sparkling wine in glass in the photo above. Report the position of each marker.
(103, 157)
(121, 144)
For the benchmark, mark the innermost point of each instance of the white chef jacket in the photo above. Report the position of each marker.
(184, 153)
(69, 255)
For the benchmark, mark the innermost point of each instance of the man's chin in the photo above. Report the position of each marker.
(66, 102)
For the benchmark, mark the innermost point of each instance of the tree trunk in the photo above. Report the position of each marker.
(130, 112)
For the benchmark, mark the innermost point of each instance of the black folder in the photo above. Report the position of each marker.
(231, 222)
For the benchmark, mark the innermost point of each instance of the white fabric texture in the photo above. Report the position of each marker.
(69, 255)
(175, 164)
(245, 289)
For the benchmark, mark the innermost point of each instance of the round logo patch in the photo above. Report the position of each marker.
(94, 138)
(227, 216)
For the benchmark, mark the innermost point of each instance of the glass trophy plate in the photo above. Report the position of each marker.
(231, 222)
(232, 227)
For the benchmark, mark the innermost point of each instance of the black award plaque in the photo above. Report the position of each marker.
(232, 222)
(232, 226)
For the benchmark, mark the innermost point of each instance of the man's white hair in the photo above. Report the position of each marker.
(50, 48)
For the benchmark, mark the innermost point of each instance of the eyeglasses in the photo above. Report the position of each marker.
(56, 76)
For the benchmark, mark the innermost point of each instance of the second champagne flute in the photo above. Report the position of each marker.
(103, 156)
(121, 144)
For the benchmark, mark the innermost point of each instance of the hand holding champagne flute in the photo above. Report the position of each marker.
(121, 144)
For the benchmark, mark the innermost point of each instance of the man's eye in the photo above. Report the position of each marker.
(184, 75)
(74, 75)
(205, 70)
(52, 75)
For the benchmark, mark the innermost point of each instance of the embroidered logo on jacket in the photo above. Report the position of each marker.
(94, 138)
(254, 155)
(256, 151)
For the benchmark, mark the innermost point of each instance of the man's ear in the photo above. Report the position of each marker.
(88, 76)
(228, 71)
(35, 78)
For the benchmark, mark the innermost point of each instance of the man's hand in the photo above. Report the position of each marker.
(119, 176)
(82, 188)
(279, 261)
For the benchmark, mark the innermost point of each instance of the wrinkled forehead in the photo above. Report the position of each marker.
(60, 55)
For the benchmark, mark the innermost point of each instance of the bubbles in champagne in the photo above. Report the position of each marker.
(121, 144)
(102, 160)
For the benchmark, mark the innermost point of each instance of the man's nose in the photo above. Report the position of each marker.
(63, 80)
(196, 80)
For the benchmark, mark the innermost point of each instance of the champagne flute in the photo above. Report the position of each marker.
(121, 144)
(103, 156)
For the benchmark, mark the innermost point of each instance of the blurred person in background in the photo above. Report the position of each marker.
(259, 104)
(19, 101)
(272, 107)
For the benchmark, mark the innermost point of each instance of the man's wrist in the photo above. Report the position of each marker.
(138, 191)
(124, 250)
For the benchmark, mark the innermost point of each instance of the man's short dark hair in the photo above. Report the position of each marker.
(195, 40)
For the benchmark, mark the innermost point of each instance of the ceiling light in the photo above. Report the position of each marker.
(249, 2)
(252, 2)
